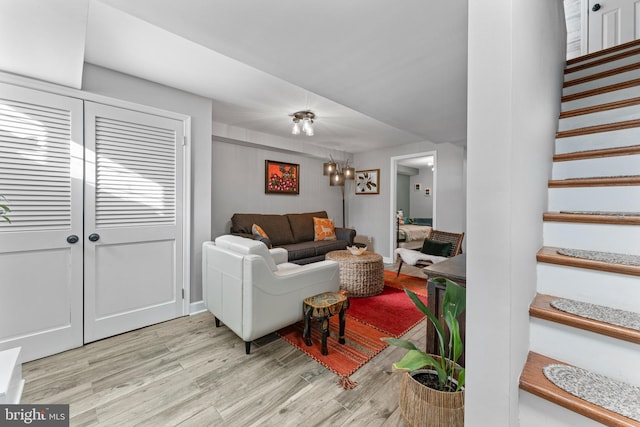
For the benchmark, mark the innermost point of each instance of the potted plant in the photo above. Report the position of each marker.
(431, 391)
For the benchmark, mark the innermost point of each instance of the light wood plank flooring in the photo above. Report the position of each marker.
(187, 372)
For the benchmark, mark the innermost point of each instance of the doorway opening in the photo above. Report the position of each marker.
(413, 184)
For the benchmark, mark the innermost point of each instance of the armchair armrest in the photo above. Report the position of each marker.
(347, 234)
(279, 255)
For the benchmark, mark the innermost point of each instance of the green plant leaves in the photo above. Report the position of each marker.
(453, 305)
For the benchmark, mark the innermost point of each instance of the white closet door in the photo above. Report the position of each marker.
(612, 22)
(41, 166)
(133, 222)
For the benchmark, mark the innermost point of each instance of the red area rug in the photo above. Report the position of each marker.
(390, 314)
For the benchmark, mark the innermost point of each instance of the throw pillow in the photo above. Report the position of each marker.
(323, 229)
(256, 230)
(433, 247)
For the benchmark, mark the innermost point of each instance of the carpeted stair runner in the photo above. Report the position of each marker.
(623, 214)
(608, 257)
(616, 396)
(626, 319)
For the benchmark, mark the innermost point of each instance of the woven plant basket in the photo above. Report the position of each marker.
(424, 406)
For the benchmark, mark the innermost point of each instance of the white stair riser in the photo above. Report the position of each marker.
(601, 166)
(605, 81)
(595, 141)
(597, 58)
(613, 290)
(622, 239)
(581, 348)
(611, 199)
(600, 118)
(536, 411)
(602, 67)
(603, 98)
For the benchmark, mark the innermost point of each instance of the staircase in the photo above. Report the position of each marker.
(594, 205)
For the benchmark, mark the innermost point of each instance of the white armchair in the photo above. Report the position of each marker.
(254, 291)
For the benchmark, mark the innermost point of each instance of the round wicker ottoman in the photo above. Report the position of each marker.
(361, 275)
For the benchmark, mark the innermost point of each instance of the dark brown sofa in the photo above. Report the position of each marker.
(293, 232)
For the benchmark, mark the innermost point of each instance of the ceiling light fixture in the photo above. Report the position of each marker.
(303, 122)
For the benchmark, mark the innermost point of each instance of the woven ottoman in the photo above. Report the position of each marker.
(360, 275)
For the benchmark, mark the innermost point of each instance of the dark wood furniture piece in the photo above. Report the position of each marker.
(321, 307)
(454, 269)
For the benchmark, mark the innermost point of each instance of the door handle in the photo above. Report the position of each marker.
(72, 239)
(94, 237)
(596, 7)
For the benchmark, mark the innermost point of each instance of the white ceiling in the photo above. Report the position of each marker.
(377, 73)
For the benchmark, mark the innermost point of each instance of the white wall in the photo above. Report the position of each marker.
(371, 215)
(106, 82)
(421, 206)
(238, 185)
(516, 55)
(403, 194)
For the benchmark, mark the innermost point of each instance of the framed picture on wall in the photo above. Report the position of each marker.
(281, 178)
(368, 181)
(417, 187)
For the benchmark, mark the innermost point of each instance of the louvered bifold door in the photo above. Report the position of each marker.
(41, 168)
(133, 222)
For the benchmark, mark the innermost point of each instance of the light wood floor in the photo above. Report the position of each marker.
(187, 372)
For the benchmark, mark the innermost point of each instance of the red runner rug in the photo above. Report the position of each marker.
(390, 314)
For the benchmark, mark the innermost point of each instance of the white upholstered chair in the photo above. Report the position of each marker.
(254, 291)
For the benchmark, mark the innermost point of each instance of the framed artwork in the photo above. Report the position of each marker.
(368, 181)
(427, 192)
(281, 178)
(417, 187)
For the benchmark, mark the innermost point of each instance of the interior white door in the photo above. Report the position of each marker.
(613, 22)
(41, 167)
(133, 220)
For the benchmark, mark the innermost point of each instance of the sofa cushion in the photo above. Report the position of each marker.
(300, 250)
(325, 246)
(302, 225)
(276, 226)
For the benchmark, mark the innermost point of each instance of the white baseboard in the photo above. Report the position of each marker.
(197, 307)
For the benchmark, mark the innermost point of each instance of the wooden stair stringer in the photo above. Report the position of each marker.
(549, 255)
(535, 382)
(541, 308)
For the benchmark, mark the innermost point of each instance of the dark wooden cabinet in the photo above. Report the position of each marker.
(454, 269)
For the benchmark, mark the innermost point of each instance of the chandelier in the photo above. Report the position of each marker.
(303, 122)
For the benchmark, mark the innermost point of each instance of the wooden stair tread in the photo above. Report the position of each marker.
(549, 255)
(602, 52)
(602, 75)
(607, 127)
(592, 154)
(603, 60)
(535, 382)
(591, 219)
(600, 90)
(541, 308)
(602, 107)
(604, 181)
